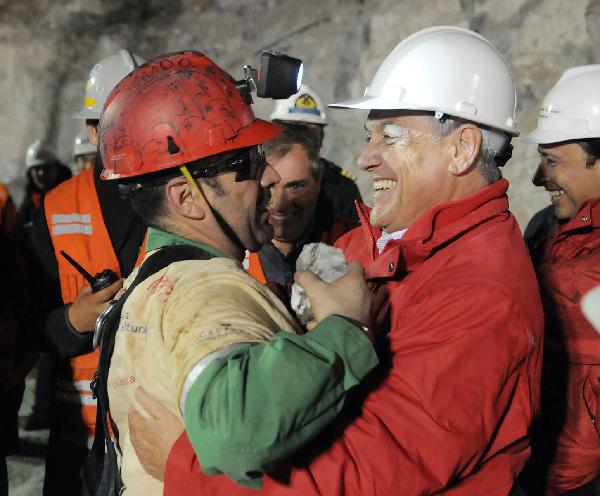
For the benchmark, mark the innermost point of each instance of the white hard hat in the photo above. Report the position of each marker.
(571, 109)
(103, 77)
(38, 153)
(445, 69)
(82, 145)
(590, 306)
(305, 106)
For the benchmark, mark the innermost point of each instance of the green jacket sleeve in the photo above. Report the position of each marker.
(264, 401)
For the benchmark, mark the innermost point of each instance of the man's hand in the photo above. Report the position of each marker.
(153, 438)
(84, 311)
(349, 296)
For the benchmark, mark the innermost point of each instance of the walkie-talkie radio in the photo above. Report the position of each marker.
(100, 281)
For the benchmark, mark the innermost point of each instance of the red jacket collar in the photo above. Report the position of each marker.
(434, 228)
(588, 216)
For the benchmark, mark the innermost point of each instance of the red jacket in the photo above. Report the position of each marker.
(570, 268)
(459, 323)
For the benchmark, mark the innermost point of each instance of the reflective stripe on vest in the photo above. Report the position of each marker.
(76, 226)
(70, 224)
(74, 392)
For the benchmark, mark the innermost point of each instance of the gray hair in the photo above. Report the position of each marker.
(493, 143)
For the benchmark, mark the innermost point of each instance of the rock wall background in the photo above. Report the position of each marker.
(47, 49)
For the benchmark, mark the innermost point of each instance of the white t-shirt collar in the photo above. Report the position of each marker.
(387, 237)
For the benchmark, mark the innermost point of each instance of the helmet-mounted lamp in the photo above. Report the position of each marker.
(278, 76)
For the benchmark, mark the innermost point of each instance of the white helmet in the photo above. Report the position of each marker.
(103, 77)
(82, 145)
(305, 106)
(571, 109)
(448, 70)
(38, 153)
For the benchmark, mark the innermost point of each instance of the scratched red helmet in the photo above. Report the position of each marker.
(175, 109)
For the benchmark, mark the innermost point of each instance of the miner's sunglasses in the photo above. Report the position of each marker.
(247, 163)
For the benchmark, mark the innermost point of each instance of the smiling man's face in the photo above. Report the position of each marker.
(563, 173)
(294, 198)
(408, 165)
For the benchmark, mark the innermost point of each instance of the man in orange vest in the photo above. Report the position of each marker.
(88, 219)
(298, 210)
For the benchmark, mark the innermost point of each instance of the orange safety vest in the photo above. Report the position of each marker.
(8, 212)
(252, 261)
(76, 225)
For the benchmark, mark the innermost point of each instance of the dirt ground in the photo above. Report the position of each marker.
(26, 470)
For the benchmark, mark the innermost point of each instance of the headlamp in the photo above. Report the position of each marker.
(278, 76)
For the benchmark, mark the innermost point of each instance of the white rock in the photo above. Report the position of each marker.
(323, 260)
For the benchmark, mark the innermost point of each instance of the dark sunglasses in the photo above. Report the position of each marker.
(248, 164)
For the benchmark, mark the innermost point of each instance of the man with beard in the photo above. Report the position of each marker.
(197, 331)
(566, 444)
(298, 210)
(457, 315)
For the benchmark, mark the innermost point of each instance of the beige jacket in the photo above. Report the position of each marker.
(168, 324)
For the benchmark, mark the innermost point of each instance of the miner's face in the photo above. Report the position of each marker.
(294, 198)
(563, 171)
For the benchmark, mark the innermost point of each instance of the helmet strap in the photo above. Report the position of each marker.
(190, 179)
(440, 116)
(223, 224)
(504, 155)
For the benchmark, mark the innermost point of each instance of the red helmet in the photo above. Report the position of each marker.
(175, 109)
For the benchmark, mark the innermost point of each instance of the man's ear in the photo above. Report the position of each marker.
(466, 144)
(91, 126)
(183, 199)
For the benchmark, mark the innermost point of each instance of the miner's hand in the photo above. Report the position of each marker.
(84, 311)
(348, 296)
(152, 438)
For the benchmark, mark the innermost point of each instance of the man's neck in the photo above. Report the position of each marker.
(288, 247)
(232, 252)
(222, 247)
(285, 248)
